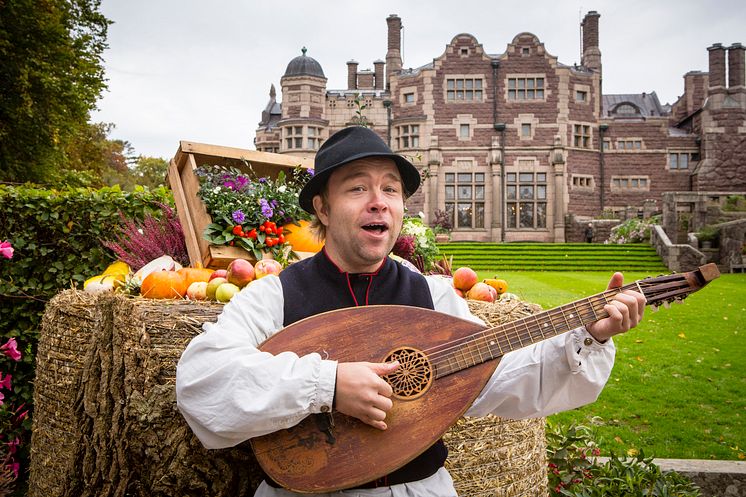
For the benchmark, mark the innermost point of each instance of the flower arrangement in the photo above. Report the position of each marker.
(416, 243)
(250, 212)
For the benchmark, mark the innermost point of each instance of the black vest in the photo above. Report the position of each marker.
(317, 285)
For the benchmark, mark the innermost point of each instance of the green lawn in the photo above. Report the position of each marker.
(678, 388)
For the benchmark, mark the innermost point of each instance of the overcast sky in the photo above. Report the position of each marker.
(201, 70)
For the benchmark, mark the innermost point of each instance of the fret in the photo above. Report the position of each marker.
(593, 309)
(562, 311)
(541, 328)
(479, 351)
(577, 315)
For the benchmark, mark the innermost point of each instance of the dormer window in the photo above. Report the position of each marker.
(626, 109)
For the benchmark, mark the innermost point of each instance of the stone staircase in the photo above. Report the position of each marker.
(554, 257)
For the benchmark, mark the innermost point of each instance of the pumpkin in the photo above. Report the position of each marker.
(164, 285)
(500, 285)
(301, 238)
(193, 274)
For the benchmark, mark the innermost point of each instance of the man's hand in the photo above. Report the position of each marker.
(362, 393)
(625, 312)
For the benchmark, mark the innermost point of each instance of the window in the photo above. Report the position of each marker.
(629, 144)
(525, 130)
(526, 195)
(525, 51)
(525, 88)
(607, 144)
(630, 183)
(626, 110)
(293, 137)
(314, 137)
(465, 196)
(681, 160)
(464, 131)
(409, 136)
(581, 136)
(582, 181)
(464, 90)
(464, 51)
(409, 98)
(581, 96)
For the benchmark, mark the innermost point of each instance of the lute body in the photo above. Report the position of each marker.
(445, 363)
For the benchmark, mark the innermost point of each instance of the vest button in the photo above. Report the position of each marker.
(588, 341)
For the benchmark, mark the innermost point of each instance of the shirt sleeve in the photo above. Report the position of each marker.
(557, 374)
(228, 391)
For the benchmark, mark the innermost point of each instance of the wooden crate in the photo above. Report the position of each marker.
(190, 208)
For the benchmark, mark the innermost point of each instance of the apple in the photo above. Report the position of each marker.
(267, 266)
(219, 273)
(240, 272)
(459, 293)
(464, 278)
(197, 291)
(226, 291)
(212, 287)
(494, 293)
(480, 291)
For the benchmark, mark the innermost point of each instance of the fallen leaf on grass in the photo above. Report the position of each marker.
(638, 341)
(681, 335)
(618, 439)
(639, 358)
(632, 452)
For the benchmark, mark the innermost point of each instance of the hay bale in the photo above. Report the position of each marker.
(106, 422)
(492, 456)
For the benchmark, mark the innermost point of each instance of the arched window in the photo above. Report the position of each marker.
(626, 109)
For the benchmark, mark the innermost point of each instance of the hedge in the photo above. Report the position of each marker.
(57, 237)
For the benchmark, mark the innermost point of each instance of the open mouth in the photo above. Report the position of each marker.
(375, 228)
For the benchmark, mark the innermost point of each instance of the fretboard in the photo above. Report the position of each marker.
(493, 343)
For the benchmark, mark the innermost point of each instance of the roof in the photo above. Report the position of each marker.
(304, 65)
(632, 105)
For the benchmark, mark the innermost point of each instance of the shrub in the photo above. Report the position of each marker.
(633, 230)
(55, 236)
(573, 470)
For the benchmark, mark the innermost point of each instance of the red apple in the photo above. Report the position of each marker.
(464, 278)
(480, 291)
(197, 291)
(240, 272)
(459, 293)
(219, 273)
(265, 267)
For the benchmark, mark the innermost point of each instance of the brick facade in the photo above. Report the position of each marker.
(516, 144)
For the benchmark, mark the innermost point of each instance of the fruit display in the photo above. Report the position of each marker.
(466, 284)
(164, 278)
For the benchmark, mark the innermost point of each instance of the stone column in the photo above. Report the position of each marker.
(433, 199)
(558, 166)
(495, 160)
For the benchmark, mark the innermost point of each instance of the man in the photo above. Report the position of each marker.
(228, 391)
(589, 233)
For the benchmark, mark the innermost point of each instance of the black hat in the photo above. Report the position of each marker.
(345, 146)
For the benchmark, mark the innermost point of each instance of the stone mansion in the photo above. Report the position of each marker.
(514, 145)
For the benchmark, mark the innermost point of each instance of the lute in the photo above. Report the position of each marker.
(445, 363)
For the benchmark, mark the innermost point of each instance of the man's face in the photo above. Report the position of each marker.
(363, 213)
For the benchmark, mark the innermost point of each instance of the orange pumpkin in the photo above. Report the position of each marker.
(164, 285)
(301, 238)
(500, 285)
(193, 274)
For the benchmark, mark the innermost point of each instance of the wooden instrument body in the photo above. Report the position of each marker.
(302, 458)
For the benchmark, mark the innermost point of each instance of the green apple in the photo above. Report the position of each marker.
(226, 291)
(212, 287)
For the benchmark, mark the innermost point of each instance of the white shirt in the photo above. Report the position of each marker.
(229, 391)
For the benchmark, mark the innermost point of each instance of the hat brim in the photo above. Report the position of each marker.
(409, 174)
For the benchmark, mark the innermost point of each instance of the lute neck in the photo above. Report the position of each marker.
(493, 343)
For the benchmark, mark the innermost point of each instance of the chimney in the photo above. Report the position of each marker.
(393, 55)
(591, 53)
(378, 68)
(736, 66)
(351, 75)
(717, 66)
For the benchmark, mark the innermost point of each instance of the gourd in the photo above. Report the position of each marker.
(301, 238)
(164, 285)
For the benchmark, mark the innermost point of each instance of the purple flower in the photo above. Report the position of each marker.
(310, 171)
(241, 182)
(262, 180)
(404, 246)
(229, 184)
(266, 209)
(10, 349)
(238, 216)
(273, 203)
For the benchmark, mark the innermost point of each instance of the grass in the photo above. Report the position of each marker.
(678, 387)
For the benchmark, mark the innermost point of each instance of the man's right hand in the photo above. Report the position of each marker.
(362, 393)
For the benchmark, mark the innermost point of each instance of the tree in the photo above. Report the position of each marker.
(51, 76)
(150, 171)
